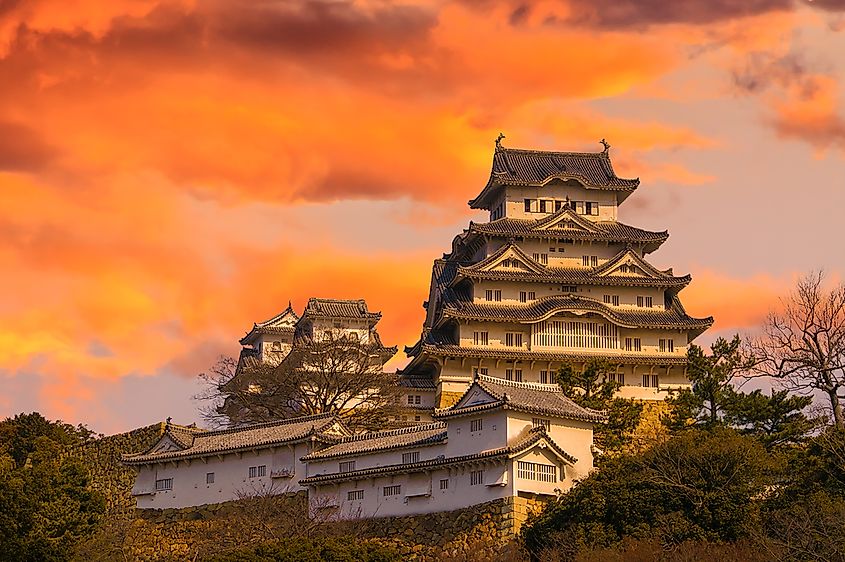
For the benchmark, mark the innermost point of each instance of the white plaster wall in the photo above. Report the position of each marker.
(372, 460)
(573, 436)
(511, 290)
(515, 196)
(462, 441)
(231, 478)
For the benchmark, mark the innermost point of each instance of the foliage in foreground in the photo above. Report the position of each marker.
(321, 549)
(46, 504)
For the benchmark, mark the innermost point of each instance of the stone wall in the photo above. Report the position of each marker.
(478, 533)
(108, 476)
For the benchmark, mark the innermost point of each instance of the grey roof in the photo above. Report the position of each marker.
(454, 350)
(672, 318)
(531, 397)
(415, 381)
(520, 444)
(512, 166)
(539, 273)
(338, 308)
(414, 436)
(275, 325)
(200, 443)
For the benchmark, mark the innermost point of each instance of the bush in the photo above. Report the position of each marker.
(333, 549)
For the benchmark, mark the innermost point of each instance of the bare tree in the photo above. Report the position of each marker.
(333, 375)
(803, 345)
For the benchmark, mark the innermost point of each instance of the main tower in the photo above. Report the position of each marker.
(553, 277)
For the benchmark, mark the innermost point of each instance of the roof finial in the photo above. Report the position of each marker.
(606, 146)
(499, 140)
(168, 420)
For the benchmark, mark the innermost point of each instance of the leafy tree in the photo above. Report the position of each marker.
(317, 549)
(46, 504)
(698, 485)
(776, 419)
(711, 375)
(592, 387)
(803, 345)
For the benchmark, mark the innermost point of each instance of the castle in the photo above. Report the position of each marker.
(552, 278)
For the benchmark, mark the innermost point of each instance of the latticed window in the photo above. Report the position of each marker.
(645, 301)
(392, 490)
(488, 295)
(347, 466)
(209, 478)
(444, 484)
(476, 425)
(576, 333)
(536, 471)
(651, 380)
(523, 296)
(497, 295)
(666, 346)
(480, 338)
(355, 495)
(410, 457)
(547, 377)
(541, 422)
(476, 477)
(513, 339)
(164, 484)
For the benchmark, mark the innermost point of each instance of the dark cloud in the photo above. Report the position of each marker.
(761, 70)
(22, 148)
(641, 13)
(829, 5)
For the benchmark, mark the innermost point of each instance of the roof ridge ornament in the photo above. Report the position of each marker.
(499, 140)
(606, 146)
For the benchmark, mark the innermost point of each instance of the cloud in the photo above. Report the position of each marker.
(22, 148)
(811, 112)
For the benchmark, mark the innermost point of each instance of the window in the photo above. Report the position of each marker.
(606, 299)
(209, 478)
(523, 296)
(576, 334)
(410, 457)
(651, 380)
(617, 377)
(392, 490)
(347, 466)
(513, 339)
(665, 346)
(558, 205)
(629, 344)
(544, 259)
(488, 295)
(644, 301)
(517, 375)
(542, 205)
(527, 203)
(164, 484)
(354, 495)
(262, 470)
(476, 425)
(547, 377)
(590, 261)
(536, 471)
(476, 477)
(569, 289)
(444, 484)
(615, 300)
(552, 250)
(277, 346)
(410, 399)
(479, 370)
(637, 344)
(540, 422)
(417, 418)
(480, 338)
(258, 471)
(497, 295)
(623, 268)
(532, 295)
(591, 208)
(417, 399)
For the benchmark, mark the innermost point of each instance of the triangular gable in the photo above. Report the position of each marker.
(567, 220)
(628, 263)
(285, 319)
(475, 396)
(542, 451)
(164, 445)
(508, 258)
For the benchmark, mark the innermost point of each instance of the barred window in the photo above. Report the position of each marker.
(480, 338)
(541, 422)
(638, 344)
(262, 470)
(532, 295)
(488, 295)
(497, 295)
(523, 296)
(645, 301)
(410, 457)
(354, 495)
(547, 377)
(476, 425)
(576, 333)
(513, 339)
(209, 478)
(347, 466)
(392, 490)
(536, 471)
(651, 381)
(476, 477)
(164, 484)
(665, 345)
(444, 484)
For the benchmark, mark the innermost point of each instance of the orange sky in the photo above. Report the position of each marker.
(172, 171)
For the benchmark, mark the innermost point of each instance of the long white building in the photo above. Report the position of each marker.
(501, 439)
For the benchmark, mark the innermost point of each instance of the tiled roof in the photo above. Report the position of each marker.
(605, 231)
(415, 436)
(513, 166)
(336, 308)
(282, 323)
(673, 318)
(205, 443)
(570, 275)
(534, 398)
(526, 355)
(521, 444)
(416, 381)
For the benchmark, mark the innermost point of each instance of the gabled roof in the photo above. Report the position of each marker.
(488, 393)
(675, 317)
(416, 381)
(535, 437)
(415, 436)
(202, 443)
(521, 167)
(538, 273)
(339, 308)
(504, 354)
(282, 323)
